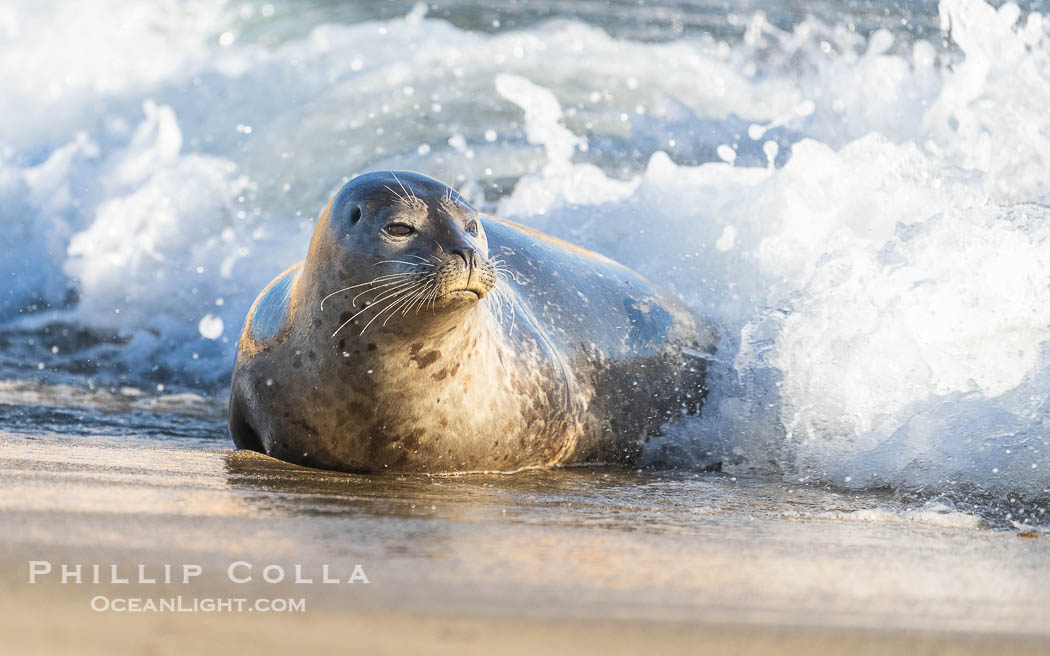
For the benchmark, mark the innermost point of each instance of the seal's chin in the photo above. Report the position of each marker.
(462, 297)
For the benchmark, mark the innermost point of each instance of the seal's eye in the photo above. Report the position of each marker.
(355, 215)
(399, 229)
(472, 228)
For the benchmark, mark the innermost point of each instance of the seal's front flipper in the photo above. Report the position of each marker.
(244, 436)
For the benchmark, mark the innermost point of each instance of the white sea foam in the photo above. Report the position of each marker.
(865, 220)
(942, 518)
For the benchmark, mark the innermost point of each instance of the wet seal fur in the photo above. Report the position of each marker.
(422, 335)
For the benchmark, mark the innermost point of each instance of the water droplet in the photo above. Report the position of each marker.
(210, 326)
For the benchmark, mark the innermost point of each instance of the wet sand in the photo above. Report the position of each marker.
(615, 562)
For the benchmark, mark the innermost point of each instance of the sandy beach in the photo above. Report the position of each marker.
(567, 560)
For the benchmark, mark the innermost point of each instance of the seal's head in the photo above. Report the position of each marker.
(405, 242)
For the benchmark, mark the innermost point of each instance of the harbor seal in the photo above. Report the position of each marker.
(422, 335)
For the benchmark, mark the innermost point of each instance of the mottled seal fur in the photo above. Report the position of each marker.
(422, 335)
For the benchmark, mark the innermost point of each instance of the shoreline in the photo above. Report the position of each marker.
(473, 564)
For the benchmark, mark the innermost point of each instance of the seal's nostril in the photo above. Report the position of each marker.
(468, 256)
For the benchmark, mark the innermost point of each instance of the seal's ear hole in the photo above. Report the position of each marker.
(355, 215)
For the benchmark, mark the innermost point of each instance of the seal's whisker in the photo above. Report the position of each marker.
(431, 284)
(433, 297)
(431, 294)
(501, 299)
(362, 284)
(407, 192)
(510, 274)
(402, 262)
(458, 200)
(387, 276)
(390, 276)
(412, 294)
(403, 199)
(384, 295)
(407, 304)
(501, 276)
(333, 294)
(506, 296)
(393, 304)
(373, 281)
(341, 326)
(370, 306)
(513, 316)
(401, 284)
(496, 302)
(376, 316)
(418, 258)
(423, 299)
(385, 281)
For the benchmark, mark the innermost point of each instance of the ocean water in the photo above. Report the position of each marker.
(856, 194)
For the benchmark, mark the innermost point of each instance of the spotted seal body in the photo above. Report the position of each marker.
(421, 335)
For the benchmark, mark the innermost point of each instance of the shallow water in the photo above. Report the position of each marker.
(565, 546)
(94, 423)
(854, 193)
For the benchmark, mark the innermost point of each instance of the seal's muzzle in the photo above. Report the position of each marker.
(465, 274)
